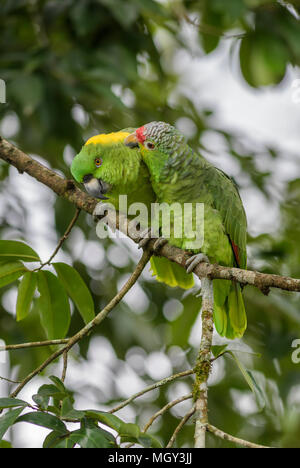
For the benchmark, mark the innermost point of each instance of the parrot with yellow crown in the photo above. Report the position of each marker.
(107, 169)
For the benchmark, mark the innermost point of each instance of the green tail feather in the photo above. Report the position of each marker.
(171, 273)
(229, 311)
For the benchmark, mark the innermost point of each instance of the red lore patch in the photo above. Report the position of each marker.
(140, 134)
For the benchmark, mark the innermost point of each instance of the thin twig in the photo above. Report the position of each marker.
(166, 408)
(34, 344)
(9, 380)
(151, 387)
(212, 30)
(203, 364)
(62, 239)
(180, 425)
(91, 325)
(223, 435)
(65, 366)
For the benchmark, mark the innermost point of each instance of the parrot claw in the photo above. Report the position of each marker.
(99, 211)
(146, 237)
(193, 261)
(159, 243)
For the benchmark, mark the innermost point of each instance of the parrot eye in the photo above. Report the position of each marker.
(98, 162)
(149, 145)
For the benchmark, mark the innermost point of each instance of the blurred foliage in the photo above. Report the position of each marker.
(51, 416)
(75, 68)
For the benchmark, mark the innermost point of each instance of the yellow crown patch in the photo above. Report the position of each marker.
(107, 138)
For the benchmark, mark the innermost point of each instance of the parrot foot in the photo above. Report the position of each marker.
(146, 237)
(193, 261)
(99, 211)
(159, 243)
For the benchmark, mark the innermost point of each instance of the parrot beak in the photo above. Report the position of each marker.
(131, 141)
(96, 187)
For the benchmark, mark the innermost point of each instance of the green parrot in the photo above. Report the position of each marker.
(180, 175)
(108, 168)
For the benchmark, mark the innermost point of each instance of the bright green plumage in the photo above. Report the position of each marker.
(178, 174)
(124, 172)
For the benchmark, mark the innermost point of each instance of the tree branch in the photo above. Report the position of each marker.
(166, 408)
(34, 344)
(152, 387)
(223, 435)
(203, 364)
(180, 425)
(9, 380)
(62, 240)
(68, 190)
(65, 366)
(92, 324)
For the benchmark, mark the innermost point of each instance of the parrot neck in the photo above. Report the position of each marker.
(171, 176)
(177, 165)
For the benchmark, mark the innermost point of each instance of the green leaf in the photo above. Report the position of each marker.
(28, 91)
(16, 250)
(5, 444)
(41, 400)
(218, 350)
(45, 420)
(8, 420)
(56, 439)
(125, 13)
(212, 21)
(88, 437)
(10, 272)
(11, 403)
(67, 410)
(51, 390)
(181, 327)
(45, 392)
(148, 441)
(243, 370)
(248, 376)
(209, 42)
(77, 290)
(53, 305)
(151, 7)
(263, 59)
(59, 384)
(25, 294)
(129, 430)
(259, 395)
(54, 410)
(108, 419)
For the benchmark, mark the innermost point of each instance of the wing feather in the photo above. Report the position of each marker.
(227, 200)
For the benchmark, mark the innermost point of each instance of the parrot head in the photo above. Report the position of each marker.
(158, 142)
(105, 165)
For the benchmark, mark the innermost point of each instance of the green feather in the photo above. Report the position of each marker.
(229, 311)
(236, 310)
(171, 273)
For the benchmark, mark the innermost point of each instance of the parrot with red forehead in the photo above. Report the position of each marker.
(107, 169)
(180, 175)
